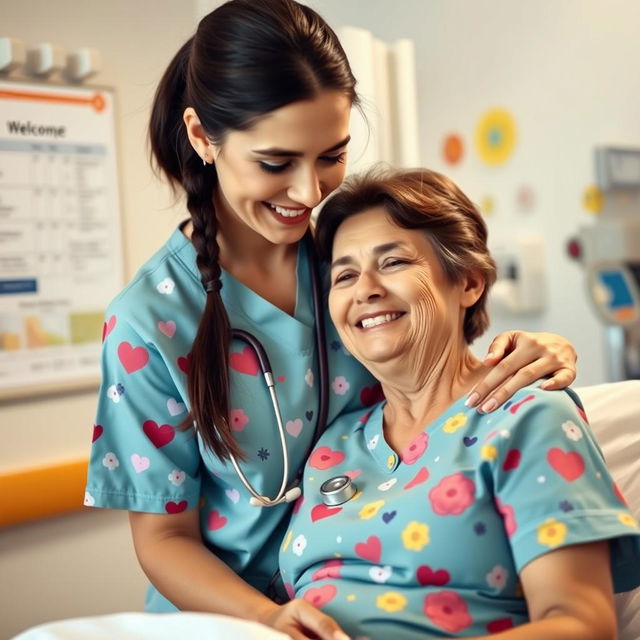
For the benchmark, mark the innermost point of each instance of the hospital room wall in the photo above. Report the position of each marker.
(569, 72)
(83, 564)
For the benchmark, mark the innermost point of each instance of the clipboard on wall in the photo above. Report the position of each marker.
(61, 259)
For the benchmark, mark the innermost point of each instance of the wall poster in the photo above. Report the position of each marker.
(60, 239)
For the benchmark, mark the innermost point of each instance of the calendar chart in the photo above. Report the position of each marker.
(60, 237)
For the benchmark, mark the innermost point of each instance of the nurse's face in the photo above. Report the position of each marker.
(389, 296)
(272, 175)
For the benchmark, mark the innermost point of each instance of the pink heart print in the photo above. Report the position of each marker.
(419, 478)
(140, 463)
(245, 362)
(132, 358)
(321, 511)
(294, 427)
(325, 458)
(370, 550)
(159, 435)
(107, 327)
(216, 521)
(569, 465)
(168, 328)
(319, 596)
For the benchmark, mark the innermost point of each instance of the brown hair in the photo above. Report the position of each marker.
(426, 200)
(247, 58)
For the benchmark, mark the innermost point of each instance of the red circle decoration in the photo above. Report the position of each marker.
(453, 149)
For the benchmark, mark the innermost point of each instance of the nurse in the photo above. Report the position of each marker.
(251, 122)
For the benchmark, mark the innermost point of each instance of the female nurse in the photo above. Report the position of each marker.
(251, 121)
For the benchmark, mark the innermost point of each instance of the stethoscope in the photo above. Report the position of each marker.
(293, 492)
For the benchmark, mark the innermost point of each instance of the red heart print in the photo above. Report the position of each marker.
(323, 511)
(216, 521)
(158, 435)
(325, 458)
(107, 327)
(176, 507)
(245, 362)
(426, 576)
(319, 596)
(569, 465)
(371, 395)
(168, 328)
(184, 362)
(502, 624)
(370, 550)
(97, 432)
(132, 358)
(511, 460)
(419, 478)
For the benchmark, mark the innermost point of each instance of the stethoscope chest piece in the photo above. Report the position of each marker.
(337, 490)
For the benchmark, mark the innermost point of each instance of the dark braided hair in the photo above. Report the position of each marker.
(247, 58)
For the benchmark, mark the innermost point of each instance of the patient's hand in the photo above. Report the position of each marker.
(302, 621)
(521, 358)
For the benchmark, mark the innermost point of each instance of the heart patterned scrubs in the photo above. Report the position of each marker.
(142, 460)
(433, 541)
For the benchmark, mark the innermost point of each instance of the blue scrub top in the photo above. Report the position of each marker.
(142, 461)
(432, 544)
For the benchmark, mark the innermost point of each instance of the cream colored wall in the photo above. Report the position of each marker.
(83, 564)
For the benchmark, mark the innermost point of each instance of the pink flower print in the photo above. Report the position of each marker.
(340, 385)
(452, 495)
(508, 516)
(330, 569)
(414, 450)
(319, 596)
(239, 419)
(447, 610)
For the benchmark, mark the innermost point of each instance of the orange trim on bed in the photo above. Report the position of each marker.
(38, 492)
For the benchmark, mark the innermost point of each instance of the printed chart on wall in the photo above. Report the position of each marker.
(60, 241)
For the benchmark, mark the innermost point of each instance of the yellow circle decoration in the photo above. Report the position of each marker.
(487, 206)
(592, 199)
(496, 136)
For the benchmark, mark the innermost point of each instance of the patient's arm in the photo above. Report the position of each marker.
(569, 596)
(520, 358)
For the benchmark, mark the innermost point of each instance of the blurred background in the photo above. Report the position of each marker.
(553, 79)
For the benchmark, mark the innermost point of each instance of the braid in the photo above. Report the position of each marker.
(208, 380)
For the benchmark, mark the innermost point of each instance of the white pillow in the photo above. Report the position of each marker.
(613, 410)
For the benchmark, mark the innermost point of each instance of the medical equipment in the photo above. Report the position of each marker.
(337, 490)
(609, 250)
(293, 492)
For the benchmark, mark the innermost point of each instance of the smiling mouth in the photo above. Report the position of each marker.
(286, 212)
(376, 321)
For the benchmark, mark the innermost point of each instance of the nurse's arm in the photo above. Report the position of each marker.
(172, 555)
(569, 596)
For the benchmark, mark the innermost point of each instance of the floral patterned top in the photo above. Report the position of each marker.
(142, 461)
(432, 542)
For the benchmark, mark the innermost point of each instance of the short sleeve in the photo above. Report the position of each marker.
(141, 458)
(552, 486)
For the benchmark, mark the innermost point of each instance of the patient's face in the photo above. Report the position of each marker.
(389, 295)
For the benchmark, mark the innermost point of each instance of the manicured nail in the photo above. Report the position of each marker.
(472, 400)
(489, 406)
(546, 384)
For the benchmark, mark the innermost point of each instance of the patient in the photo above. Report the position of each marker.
(464, 524)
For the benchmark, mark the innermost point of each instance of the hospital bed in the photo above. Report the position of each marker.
(613, 410)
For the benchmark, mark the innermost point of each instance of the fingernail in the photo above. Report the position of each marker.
(472, 400)
(489, 406)
(546, 384)
(489, 355)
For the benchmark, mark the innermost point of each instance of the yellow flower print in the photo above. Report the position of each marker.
(454, 423)
(415, 536)
(369, 510)
(287, 540)
(391, 601)
(627, 519)
(552, 532)
(488, 452)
